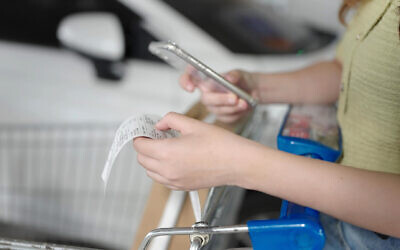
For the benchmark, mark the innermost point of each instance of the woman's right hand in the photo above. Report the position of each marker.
(227, 106)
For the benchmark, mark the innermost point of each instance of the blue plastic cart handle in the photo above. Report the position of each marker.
(286, 234)
(297, 228)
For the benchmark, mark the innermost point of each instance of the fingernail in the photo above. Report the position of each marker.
(230, 78)
(189, 87)
(157, 124)
(242, 104)
(232, 99)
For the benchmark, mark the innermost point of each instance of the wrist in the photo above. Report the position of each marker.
(257, 80)
(251, 165)
(276, 87)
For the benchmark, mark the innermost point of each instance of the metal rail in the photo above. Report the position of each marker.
(28, 245)
(196, 244)
(192, 230)
(214, 198)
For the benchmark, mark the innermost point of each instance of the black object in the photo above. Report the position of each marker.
(255, 206)
(111, 70)
(36, 22)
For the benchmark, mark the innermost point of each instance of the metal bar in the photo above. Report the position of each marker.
(192, 230)
(27, 245)
(214, 198)
(196, 244)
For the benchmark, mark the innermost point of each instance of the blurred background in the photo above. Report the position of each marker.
(71, 71)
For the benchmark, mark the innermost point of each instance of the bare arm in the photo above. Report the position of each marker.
(364, 198)
(316, 84)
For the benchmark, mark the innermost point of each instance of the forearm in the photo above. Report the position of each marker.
(364, 198)
(316, 84)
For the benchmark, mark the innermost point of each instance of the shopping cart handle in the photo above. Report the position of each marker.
(286, 234)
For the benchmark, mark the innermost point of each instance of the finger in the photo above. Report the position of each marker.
(148, 163)
(224, 110)
(189, 69)
(230, 118)
(219, 99)
(233, 76)
(178, 122)
(148, 147)
(209, 86)
(186, 82)
(229, 110)
(160, 179)
(157, 177)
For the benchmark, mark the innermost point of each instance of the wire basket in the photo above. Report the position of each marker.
(50, 185)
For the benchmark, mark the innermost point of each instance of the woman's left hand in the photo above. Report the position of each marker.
(203, 156)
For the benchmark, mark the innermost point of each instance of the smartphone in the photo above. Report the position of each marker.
(172, 54)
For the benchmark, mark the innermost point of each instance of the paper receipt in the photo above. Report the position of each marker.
(136, 126)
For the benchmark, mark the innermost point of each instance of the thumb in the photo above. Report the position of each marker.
(176, 121)
(233, 76)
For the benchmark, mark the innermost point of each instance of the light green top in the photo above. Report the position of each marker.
(369, 102)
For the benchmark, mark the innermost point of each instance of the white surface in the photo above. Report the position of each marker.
(44, 85)
(96, 34)
(320, 13)
(195, 200)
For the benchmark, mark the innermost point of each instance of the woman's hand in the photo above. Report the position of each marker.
(226, 105)
(203, 156)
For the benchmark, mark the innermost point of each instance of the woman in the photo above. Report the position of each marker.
(362, 191)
